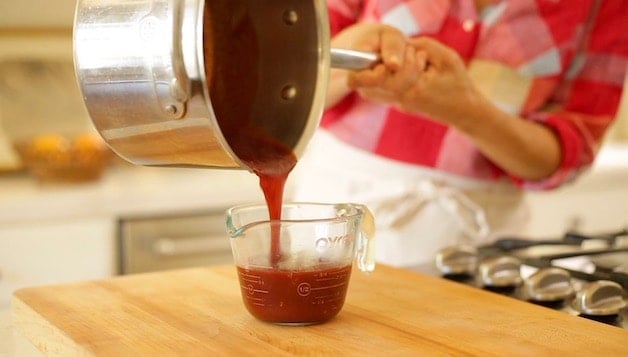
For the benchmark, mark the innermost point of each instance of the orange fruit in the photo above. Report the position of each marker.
(49, 147)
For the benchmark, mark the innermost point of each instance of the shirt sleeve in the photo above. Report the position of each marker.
(343, 13)
(588, 100)
(580, 134)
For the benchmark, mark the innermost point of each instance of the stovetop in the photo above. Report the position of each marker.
(579, 274)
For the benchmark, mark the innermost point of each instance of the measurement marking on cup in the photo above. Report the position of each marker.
(335, 298)
(251, 278)
(305, 289)
(253, 298)
(259, 301)
(334, 277)
(250, 289)
(330, 297)
(329, 286)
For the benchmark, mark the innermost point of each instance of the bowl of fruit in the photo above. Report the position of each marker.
(65, 158)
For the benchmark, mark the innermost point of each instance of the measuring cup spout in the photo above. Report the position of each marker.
(239, 219)
(232, 229)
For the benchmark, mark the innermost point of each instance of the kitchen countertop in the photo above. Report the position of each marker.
(125, 190)
(200, 311)
(12, 343)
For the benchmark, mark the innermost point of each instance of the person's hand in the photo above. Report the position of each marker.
(386, 85)
(385, 40)
(433, 81)
(445, 91)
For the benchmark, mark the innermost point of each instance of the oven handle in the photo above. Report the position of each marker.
(169, 247)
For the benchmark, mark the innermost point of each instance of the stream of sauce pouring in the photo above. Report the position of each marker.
(231, 52)
(272, 162)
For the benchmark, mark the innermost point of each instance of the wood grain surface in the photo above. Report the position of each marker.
(392, 312)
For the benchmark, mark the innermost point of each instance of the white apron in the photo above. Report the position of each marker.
(417, 210)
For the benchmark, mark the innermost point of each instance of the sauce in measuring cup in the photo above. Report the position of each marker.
(292, 296)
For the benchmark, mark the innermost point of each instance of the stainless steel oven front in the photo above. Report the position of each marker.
(172, 241)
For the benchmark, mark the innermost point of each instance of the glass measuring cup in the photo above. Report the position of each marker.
(296, 270)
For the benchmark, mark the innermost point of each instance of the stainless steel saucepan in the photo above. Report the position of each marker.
(165, 82)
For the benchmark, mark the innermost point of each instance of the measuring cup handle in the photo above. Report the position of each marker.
(366, 241)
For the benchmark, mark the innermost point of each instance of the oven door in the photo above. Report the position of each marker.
(173, 241)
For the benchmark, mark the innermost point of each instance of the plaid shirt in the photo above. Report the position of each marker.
(527, 56)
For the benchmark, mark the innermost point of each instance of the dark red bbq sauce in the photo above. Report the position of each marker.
(289, 296)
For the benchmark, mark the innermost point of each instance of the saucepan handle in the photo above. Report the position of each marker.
(353, 60)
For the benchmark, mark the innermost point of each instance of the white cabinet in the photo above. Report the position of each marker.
(55, 252)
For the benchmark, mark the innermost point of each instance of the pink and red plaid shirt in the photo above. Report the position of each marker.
(525, 55)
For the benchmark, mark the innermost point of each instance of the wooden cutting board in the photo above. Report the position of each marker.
(199, 312)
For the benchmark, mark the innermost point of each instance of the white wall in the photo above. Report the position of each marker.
(596, 203)
(36, 13)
